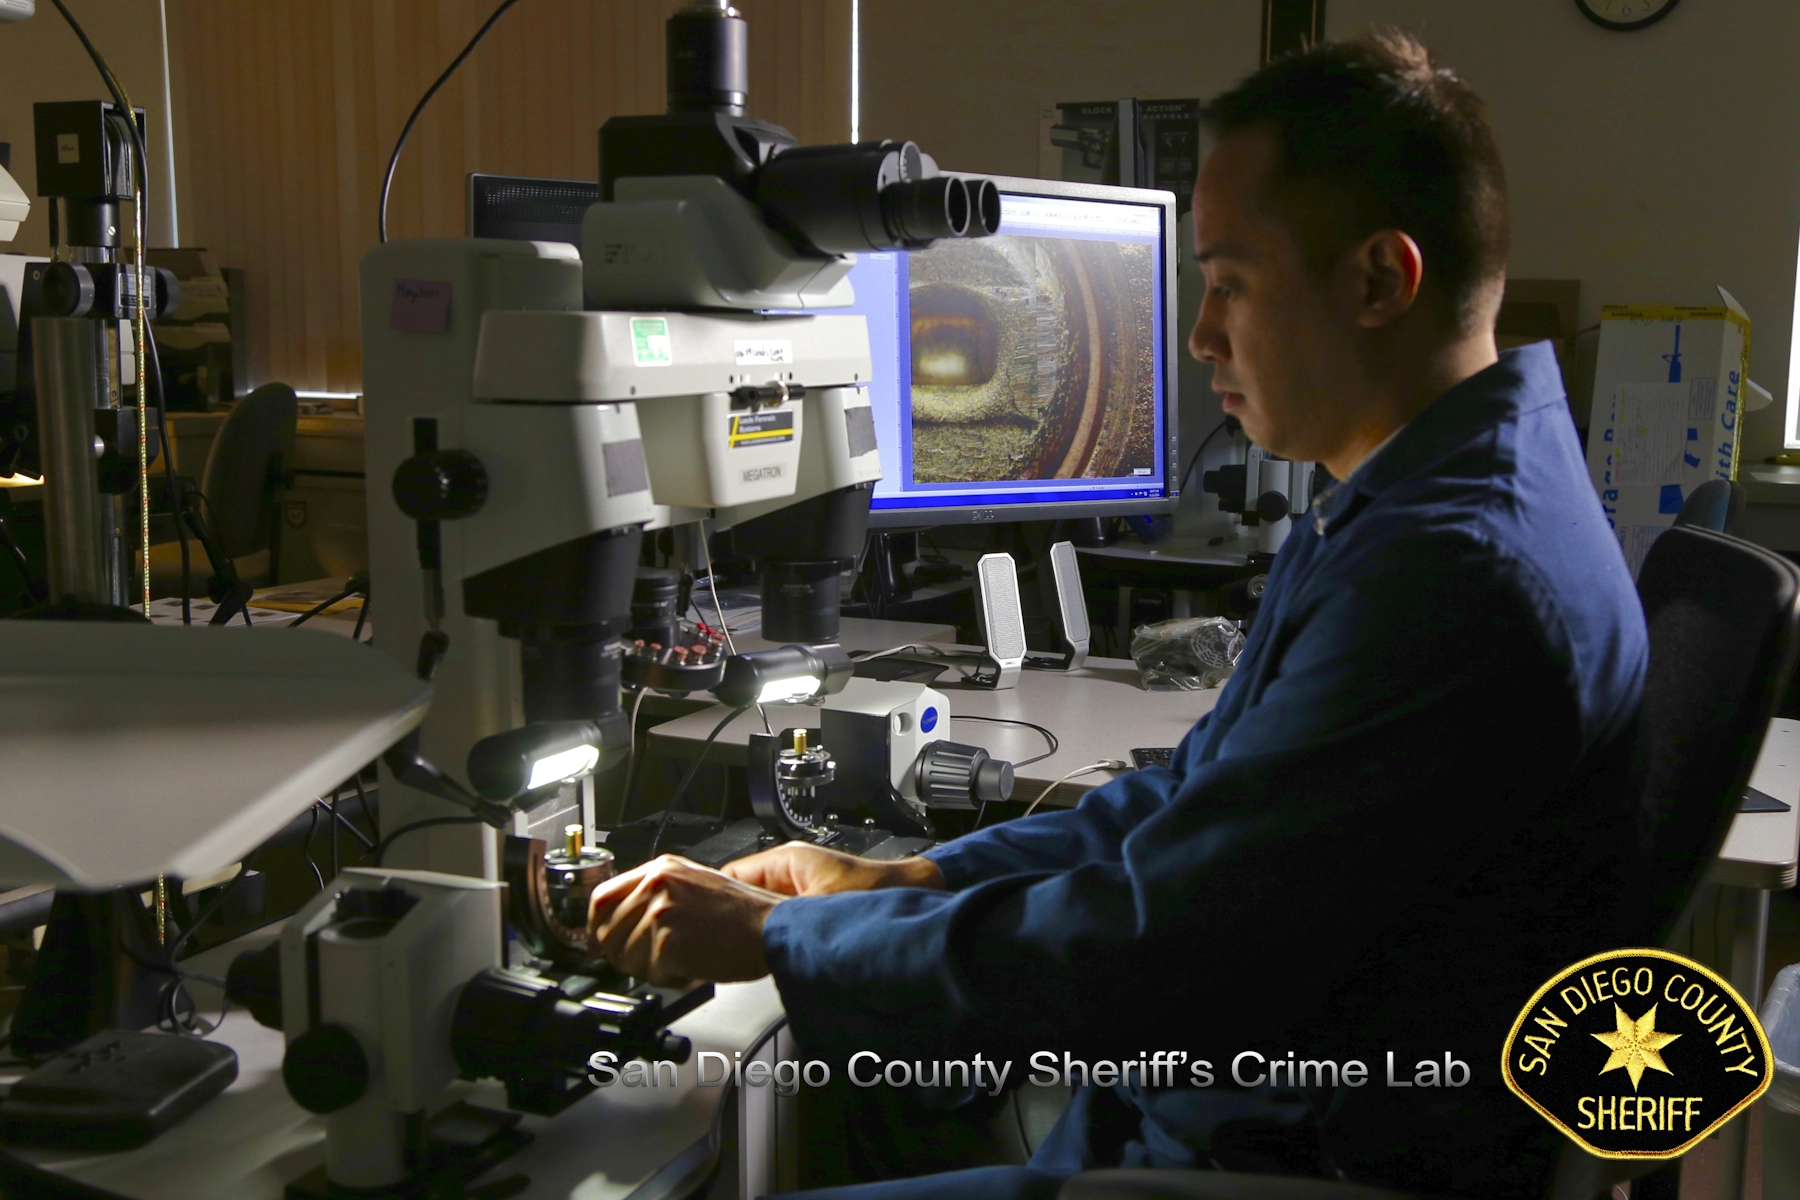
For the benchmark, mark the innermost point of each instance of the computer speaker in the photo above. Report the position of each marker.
(1002, 621)
(1069, 611)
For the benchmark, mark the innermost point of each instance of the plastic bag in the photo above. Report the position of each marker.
(1188, 654)
(1781, 1021)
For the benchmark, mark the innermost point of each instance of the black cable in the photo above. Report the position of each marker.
(1193, 461)
(340, 819)
(381, 847)
(306, 846)
(387, 182)
(1023, 762)
(316, 609)
(362, 614)
(680, 788)
(362, 800)
(169, 480)
(207, 912)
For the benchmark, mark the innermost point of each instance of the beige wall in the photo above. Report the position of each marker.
(1649, 165)
(41, 60)
(965, 78)
(287, 112)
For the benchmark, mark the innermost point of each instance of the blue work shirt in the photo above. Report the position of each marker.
(1401, 818)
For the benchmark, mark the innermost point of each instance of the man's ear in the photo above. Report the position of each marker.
(1388, 270)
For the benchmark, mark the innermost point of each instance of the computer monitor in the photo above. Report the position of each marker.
(529, 210)
(1029, 375)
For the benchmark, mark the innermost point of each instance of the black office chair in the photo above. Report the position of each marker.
(1717, 504)
(239, 483)
(1723, 619)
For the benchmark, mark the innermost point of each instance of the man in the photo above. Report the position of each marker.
(1403, 813)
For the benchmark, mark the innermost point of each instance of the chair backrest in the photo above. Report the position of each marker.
(1722, 617)
(1717, 504)
(238, 481)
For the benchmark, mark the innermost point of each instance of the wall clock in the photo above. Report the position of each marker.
(1625, 14)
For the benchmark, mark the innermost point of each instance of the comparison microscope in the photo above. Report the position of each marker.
(539, 409)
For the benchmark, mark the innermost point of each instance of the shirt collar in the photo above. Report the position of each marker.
(1524, 378)
(1334, 500)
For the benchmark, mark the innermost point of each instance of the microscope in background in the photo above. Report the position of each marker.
(1267, 493)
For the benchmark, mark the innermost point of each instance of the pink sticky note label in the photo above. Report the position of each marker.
(420, 306)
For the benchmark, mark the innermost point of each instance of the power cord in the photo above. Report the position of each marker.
(1229, 422)
(631, 767)
(1105, 764)
(171, 485)
(712, 587)
(357, 584)
(681, 788)
(381, 847)
(1023, 762)
(387, 181)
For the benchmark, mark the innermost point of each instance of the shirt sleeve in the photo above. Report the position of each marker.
(1095, 829)
(1416, 716)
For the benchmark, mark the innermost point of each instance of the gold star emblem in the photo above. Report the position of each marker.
(1635, 1045)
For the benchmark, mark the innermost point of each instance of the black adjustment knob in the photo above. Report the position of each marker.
(993, 780)
(166, 297)
(325, 1069)
(68, 289)
(253, 981)
(1272, 506)
(440, 485)
(952, 775)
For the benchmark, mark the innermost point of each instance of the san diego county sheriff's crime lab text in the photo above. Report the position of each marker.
(1163, 1068)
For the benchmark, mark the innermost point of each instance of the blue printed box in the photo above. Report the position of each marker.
(1668, 391)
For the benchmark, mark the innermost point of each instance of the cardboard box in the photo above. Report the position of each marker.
(1667, 390)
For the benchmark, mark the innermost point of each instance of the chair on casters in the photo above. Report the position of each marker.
(1723, 617)
(238, 486)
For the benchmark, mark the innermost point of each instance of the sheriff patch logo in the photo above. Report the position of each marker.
(1637, 1054)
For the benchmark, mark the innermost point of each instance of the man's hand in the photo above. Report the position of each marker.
(672, 922)
(802, 869)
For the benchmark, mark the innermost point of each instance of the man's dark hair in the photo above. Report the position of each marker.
(1376, 136)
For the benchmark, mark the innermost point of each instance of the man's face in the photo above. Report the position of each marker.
(1283, 352)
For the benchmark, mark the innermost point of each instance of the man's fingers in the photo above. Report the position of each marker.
(607, 895)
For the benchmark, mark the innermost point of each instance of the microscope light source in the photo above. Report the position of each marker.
(787, 674)
(537, 755)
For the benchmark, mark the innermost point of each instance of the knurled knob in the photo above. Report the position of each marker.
(440, 485)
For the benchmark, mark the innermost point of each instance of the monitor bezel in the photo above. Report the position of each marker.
(1059, 510)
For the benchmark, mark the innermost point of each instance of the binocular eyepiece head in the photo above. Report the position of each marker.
(881, 195)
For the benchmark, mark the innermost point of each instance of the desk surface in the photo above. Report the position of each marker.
(1097, 712)
(858, 634)
(1196, 551)
(251, 1140)
(1760, 851)
(1101, 712)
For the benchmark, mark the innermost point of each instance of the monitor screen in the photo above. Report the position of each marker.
(1027, 374)
(529, 210)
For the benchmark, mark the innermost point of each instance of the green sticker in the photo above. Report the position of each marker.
(650, 342)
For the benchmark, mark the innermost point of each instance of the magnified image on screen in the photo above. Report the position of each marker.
(1033, 358)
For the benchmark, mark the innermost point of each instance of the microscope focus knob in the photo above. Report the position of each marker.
(952, 775)
(440, 485)
(325, 1069)
(1272, 506)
